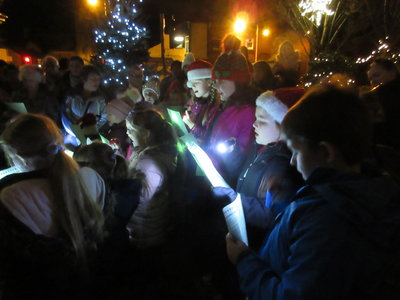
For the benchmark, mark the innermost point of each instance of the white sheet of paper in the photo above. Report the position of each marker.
(234, 217)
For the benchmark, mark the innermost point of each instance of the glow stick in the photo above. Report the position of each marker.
(19, 107)
(104, 140)
(176, 119)
(233, 212)
(69, 152)
(9, 171)
(204, 162)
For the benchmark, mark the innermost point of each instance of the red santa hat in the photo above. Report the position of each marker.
(199, 69)
(277, 103)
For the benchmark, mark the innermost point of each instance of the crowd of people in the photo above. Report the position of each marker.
(105, 202)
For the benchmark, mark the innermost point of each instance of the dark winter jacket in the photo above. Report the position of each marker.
(339, 239)
(267, 185)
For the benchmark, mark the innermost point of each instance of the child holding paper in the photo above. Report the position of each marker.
(339, 238)
(267, 183)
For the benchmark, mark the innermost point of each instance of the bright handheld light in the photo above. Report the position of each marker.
(226, 146)
(222, 148)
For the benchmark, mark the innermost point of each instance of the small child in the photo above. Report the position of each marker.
(339, 238)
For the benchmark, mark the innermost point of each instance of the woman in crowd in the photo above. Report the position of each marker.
(51, 218)
(35, 94)
(263, 78)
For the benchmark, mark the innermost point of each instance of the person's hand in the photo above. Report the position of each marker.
(187, 120)
(234, 248)
(220, 192)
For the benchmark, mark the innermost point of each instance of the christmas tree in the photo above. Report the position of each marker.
(120, 42)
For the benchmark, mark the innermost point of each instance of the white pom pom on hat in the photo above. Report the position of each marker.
(277, 103)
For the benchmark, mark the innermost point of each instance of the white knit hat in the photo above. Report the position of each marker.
(272, 105)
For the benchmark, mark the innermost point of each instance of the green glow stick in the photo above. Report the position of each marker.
(204, 162)
(176, 119)
(104, 140)
(233, 212)
(19, 107)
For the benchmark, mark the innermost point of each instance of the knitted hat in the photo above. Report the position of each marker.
(153, 85)
(199, 69)
(189, 58)
(232, 66)
(277, 103)
(120, 108)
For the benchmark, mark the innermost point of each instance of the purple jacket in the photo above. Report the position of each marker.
(234, 122)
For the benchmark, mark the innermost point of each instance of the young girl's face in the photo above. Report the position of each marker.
(226, 88)
(304, 158)
(265, 128)
(201, 87)
(136, 134)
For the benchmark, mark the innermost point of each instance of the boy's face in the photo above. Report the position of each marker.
(304, 158)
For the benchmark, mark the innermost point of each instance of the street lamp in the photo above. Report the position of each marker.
(266, 32)
(93, 2)
(240, 25)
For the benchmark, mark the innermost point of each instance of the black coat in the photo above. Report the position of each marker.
(267, 185)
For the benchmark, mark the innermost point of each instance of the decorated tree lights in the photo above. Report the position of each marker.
(383, 51)
(321, 22)
(120, 42)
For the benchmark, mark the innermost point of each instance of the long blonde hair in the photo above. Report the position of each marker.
(37, 138)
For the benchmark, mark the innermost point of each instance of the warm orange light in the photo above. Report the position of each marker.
(266, 32)
(93, 2)
(239, 26)
(241, 22)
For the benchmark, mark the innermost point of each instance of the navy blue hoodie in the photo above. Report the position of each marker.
(339, 239)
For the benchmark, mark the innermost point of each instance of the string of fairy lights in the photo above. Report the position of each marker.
(115, 40)
(314, 11)
(383, 50)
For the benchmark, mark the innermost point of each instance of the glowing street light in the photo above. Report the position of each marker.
(266, 32)
(93, 2)
(240, 25)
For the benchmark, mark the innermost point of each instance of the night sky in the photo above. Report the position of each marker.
(50, 23)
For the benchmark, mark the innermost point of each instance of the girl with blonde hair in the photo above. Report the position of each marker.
(53, 202)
